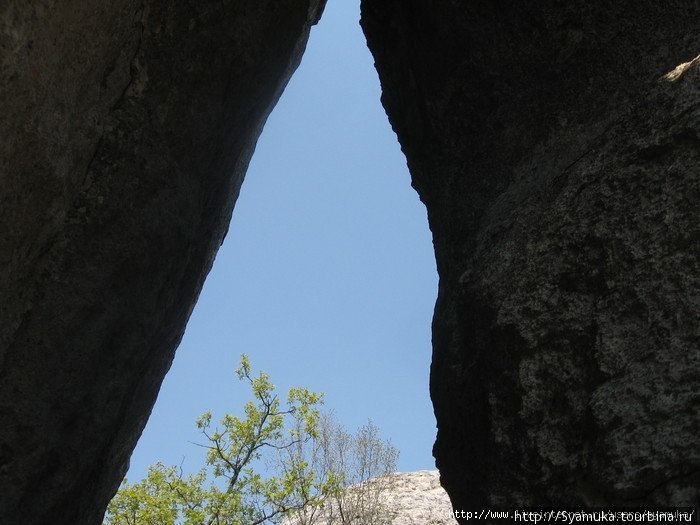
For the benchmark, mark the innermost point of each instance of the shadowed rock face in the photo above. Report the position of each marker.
(559, 164)
(126, 130)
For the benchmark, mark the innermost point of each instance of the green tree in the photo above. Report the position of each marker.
(229, 490)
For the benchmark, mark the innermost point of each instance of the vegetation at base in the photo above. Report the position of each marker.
(280, 461)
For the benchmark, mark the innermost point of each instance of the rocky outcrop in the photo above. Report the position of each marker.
(556, 146)
(416, 498)
(405, 498)
(126, 130)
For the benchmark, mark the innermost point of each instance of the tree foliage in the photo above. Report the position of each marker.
(228, 490)
(281, 459)
(354, 471)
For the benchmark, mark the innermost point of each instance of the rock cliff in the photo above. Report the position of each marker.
(556, 146)
(406, 498)
(126, 130)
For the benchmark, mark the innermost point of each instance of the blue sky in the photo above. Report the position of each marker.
(327, 277)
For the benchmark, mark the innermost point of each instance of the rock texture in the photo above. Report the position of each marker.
(556, 146)
(416, 498)
(411, 498)
(126, 130)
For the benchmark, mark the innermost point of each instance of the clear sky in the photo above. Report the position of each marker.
(327, 277)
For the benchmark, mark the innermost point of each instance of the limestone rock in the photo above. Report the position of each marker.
(126, 127)
(417, 498)
(556, 146)
(411, 498)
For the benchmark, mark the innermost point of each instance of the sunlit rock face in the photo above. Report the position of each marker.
(404, 498)
(556, 146)
(126, 130)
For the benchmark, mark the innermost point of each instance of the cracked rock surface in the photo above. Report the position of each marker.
(126, 127)
(556, 146)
